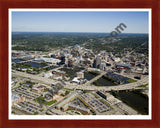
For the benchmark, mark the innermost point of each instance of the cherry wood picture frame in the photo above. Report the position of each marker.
(5, 5)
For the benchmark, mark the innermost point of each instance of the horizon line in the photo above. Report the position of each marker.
(74, 32)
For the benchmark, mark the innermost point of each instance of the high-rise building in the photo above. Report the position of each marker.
(97, 62)
(103, 66)
(62, 60)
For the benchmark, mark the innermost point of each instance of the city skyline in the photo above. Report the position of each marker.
(80, 73)
(79, 21)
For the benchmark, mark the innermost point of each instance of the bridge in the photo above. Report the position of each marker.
(129, 86)
(86, 86)
(94, 79)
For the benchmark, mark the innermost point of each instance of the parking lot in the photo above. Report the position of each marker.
(28, 107)
(26, 93)
(95, 103)
(77, 102)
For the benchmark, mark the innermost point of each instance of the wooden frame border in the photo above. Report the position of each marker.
(6, 4)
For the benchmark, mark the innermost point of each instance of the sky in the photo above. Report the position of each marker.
(105, 22)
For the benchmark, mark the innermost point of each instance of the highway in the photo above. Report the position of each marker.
(128, 86)
(34, 77)
(86, 86)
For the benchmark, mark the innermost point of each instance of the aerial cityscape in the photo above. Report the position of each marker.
(75, 66)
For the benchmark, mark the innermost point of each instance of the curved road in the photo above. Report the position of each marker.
(87, 85)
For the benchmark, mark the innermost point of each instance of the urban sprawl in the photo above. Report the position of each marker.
(75, 81)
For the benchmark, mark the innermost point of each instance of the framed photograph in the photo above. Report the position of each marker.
(90, 64)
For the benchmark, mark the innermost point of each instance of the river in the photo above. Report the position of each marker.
(134, 99)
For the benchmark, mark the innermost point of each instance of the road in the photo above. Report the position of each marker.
(34, 77)
(128, 86)
(122, 87)
(131, 51)
(94, 79)
(86, 86)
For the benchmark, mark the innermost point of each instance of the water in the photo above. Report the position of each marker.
(89, 76)
(134, 99)
(17, 60)
(35, 65)
(103, 82)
